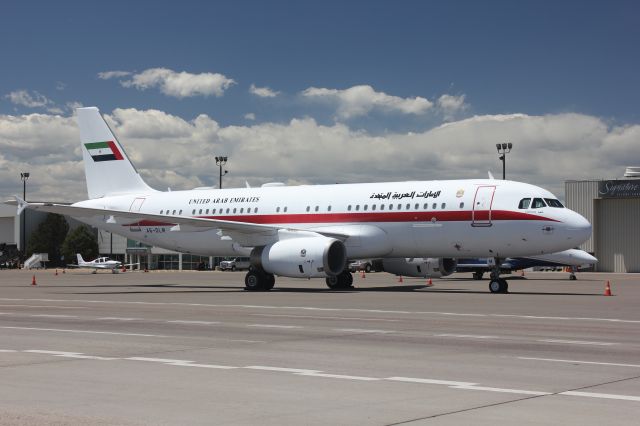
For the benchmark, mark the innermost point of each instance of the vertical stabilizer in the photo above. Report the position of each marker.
(80, 259)
(108, 169)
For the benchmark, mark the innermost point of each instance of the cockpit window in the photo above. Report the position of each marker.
(524, 203)
(551, 202)
(538, 203)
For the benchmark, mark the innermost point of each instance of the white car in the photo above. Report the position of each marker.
(236, 264)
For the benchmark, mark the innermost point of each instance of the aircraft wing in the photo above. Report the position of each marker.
(247, 234)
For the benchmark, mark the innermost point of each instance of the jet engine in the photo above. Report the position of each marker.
(420, 266)
(310, 257)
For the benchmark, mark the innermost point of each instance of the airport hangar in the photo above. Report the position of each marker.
(612, 206)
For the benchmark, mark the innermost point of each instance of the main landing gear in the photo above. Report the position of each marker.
(342, 281)
(497, 284)
(258, 280)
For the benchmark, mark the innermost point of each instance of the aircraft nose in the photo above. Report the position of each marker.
(579, 228)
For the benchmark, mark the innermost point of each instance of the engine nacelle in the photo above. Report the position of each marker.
(420, 267)
(305, 257)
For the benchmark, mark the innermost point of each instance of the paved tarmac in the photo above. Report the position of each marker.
(193, 348)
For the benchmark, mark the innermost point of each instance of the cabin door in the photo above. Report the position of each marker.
(482, 202)
(135, 207)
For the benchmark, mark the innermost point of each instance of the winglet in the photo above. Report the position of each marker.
(22, 204)
(490, 175)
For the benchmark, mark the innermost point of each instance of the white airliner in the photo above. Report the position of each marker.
(99, 263)
(312, 230)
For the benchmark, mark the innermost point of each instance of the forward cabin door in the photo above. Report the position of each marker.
(482, 202)
(135, 207)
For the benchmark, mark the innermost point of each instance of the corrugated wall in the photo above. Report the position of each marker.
(579, 197)
(617, 234)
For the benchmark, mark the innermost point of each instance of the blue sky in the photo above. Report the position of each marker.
(491, 58)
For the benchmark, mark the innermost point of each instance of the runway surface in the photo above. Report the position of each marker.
(182, 348)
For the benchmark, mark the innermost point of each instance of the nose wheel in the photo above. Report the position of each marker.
(497, 284)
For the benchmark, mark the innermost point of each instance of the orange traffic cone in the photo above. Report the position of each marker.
(607, 290)
(123, 269)
(400, 279)
(56, 272)
(33, 280)
(362, 276)
(429, 283)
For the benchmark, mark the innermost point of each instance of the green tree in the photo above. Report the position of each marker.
(48, 238)
(80, 240)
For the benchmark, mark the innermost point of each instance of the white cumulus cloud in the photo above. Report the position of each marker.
(360, 100)
(263, 92)
(29, 100)
(451, 105)
(171, 151)
(107, 75)
(180, 84)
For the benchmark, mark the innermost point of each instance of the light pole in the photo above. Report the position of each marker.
(221, 161)
(24, 176)
(503, 149)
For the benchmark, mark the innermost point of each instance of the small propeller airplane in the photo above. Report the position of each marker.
(99, 263)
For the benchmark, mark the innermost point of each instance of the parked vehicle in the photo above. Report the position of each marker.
(237, 264)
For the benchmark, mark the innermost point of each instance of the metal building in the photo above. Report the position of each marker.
(613, 208)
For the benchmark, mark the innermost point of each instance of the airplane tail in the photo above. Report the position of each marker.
(107, 168)
(80, 259)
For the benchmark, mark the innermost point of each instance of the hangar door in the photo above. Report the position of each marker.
(617, 234)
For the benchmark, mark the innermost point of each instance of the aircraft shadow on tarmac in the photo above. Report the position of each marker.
(178, 288)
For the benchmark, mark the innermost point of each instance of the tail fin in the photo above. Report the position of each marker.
(108, 169)
(80, 259)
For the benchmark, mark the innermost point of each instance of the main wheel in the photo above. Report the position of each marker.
(341, 281)
(572, 277)
(367, 268)
(258, 281)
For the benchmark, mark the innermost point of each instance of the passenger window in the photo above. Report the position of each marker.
(242, 210)
(551, 202)
(234, 210)
(434, 206)
(255, 210)
(329, 208)
(227, 211)
(373, 207)
(390, 206)
(213, 211)
(399, 206)
(462, 205)
(174, 212)
(537, 203)
(317, 208)
(443, 206)
(365, 207)
(194, 211)
(277, 209)
(349, 208)
(308, 208)
(161, 211)
(524, 203)
(200, 211)
(408, 206)
(357, 207)
(426, 206)
(285, 209)
(207, 212)
(180, 212)
(417, 206)
(381, 206)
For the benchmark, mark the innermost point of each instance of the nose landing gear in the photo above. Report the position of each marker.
(497, 284)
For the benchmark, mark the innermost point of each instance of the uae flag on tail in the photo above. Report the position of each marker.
(103, 151)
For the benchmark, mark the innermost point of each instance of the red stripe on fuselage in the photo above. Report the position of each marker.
(368, 217)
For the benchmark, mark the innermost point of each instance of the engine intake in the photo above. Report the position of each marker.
(311, 257)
